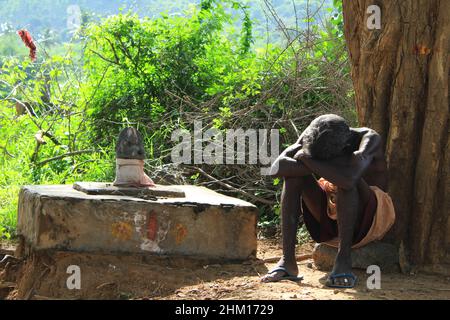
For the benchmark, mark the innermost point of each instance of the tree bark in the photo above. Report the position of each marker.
(401, 79)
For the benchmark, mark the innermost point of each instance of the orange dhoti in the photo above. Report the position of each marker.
(378, 217)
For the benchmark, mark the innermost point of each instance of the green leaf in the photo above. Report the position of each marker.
(195, 176)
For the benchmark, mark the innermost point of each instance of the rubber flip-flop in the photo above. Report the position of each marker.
(342, 275)
(287, 276)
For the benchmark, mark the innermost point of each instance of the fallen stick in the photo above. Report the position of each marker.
(301, 257)
(5, 285)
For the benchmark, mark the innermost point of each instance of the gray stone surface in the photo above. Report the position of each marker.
(384, 255)
(204, 223)
(104, 188)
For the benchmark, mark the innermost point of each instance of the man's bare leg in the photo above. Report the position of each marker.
(293, 189)
(298, 182)
(350, 206)
(290, 211)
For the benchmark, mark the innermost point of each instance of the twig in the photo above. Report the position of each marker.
(35, 153)
(6, 151)
(116, 57)
(69, 154)
(226, 185)
(297, 258)
(45, 132)
(104, 58)
(7, 285)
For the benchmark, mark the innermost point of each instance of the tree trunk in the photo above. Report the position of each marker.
(401, 79)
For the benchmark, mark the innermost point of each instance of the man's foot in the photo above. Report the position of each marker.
(342, 276)
(341, 280)
(280, 273)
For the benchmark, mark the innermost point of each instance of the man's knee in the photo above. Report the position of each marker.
(279, 168)
(284, 167)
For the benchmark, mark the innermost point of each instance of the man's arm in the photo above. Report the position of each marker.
(370, 142)
(345, 171)
(286, 166)
(344, 176)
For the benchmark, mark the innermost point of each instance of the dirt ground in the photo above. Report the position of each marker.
(44, 276)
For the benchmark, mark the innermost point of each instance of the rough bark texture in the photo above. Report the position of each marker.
(401, 80)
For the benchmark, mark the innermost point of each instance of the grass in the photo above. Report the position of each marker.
(8, 211)
(17, 145)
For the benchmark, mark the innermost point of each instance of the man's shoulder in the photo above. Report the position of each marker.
(363, 130)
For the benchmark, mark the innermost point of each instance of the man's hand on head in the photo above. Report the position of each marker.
(301, 154)
(359, 158)
(292, 150)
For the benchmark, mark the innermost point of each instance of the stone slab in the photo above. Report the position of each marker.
(204, 223)
(104, 188)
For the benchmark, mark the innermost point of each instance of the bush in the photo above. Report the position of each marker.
(160, 75)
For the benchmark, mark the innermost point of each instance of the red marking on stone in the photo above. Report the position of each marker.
(152, 226)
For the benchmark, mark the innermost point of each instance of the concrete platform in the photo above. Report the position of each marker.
(148, 193)
(204, 223)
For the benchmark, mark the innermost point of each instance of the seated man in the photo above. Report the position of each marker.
(347, 207)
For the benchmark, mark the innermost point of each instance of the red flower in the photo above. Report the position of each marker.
(28, 40)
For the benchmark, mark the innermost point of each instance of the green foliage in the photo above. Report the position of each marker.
(137, 67)
(158, 75)
(303, 235)
(337, 18)
(50, 88)
(10, 45)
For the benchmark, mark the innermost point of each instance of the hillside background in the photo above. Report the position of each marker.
(47, 19)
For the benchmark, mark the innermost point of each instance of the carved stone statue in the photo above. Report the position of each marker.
(130, 155)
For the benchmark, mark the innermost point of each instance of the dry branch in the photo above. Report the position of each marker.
(230, 187)
(69, 154)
